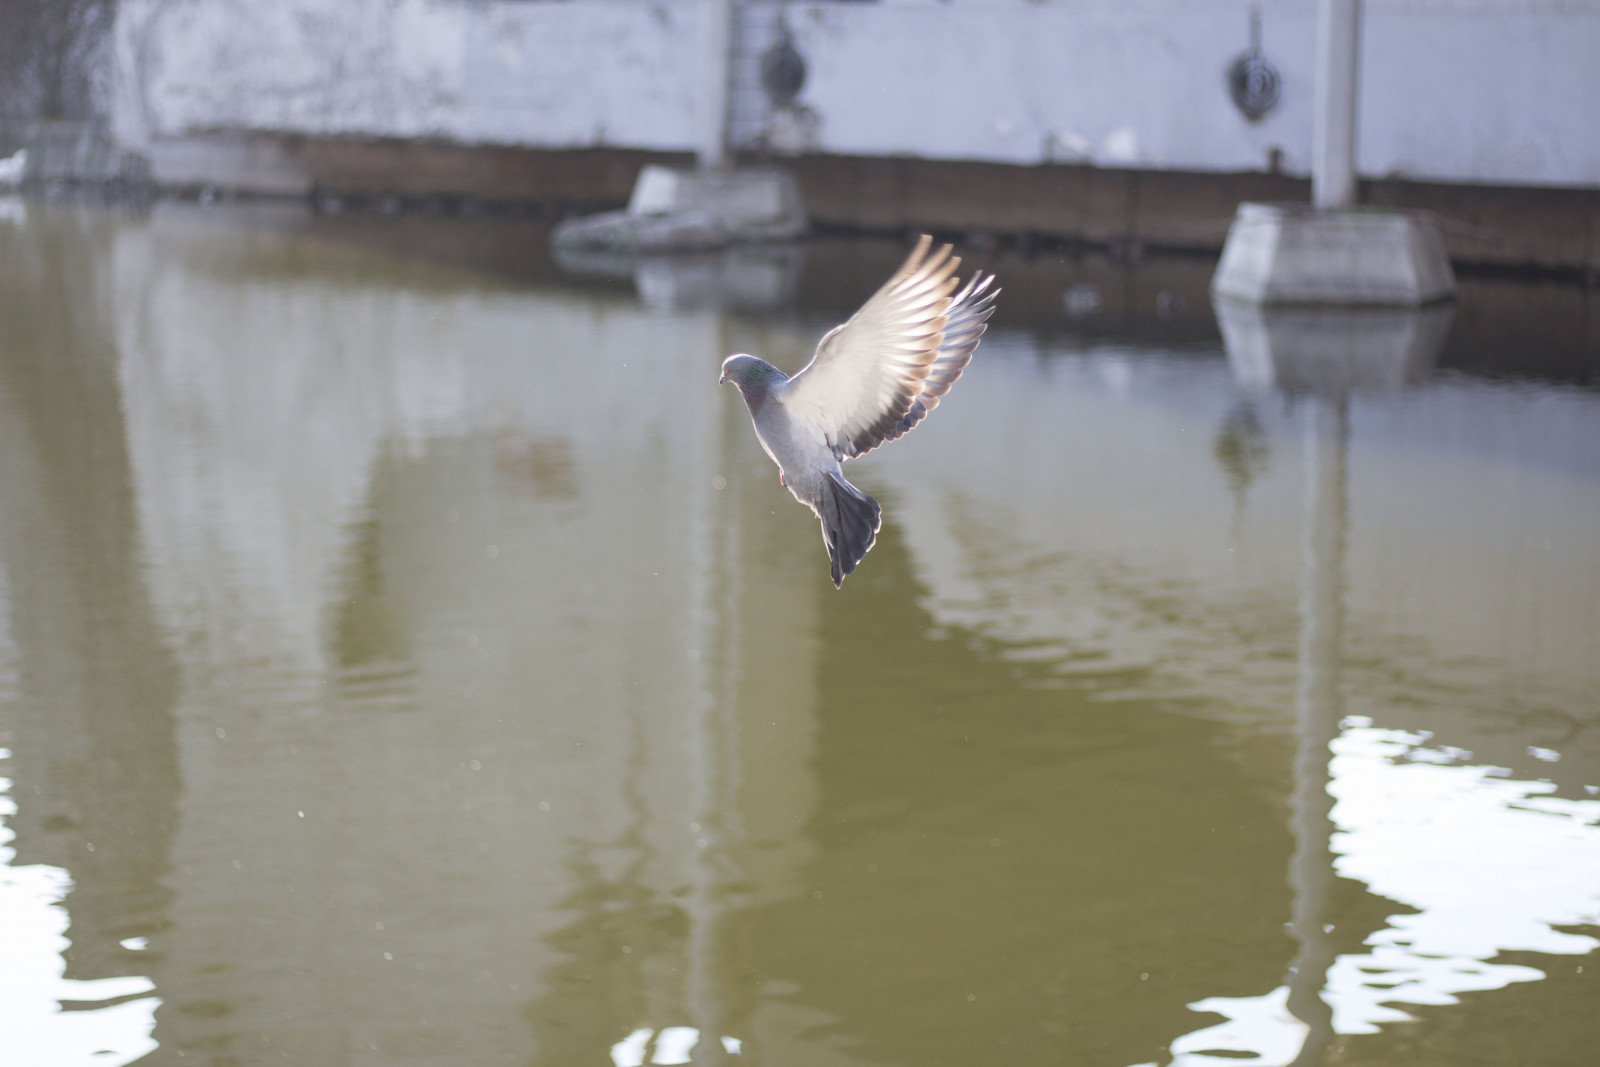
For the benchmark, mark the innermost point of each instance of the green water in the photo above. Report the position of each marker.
(407, 654)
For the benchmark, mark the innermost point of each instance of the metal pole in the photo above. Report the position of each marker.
(1333, 131)
(718, 38)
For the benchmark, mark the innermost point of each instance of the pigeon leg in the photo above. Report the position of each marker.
(781, 479)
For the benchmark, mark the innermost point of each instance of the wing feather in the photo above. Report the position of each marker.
(881, 372)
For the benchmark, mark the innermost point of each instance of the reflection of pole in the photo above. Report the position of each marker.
(712, 753)
(100, 682)
(1333, 133)
(1317, 715)
(718, 37)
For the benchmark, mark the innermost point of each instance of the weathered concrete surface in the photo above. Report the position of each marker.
(1103, 120)
(1481, 224)
(567, 75)
(1293, 254)
(590, 178)
(256, 162)
(1104, 82)
(69, 150)
(1095, 204)
(1552, 229)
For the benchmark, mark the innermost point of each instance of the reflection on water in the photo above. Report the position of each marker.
(752, 277)
(438, 675)
(1328, 355)
(675, 1044)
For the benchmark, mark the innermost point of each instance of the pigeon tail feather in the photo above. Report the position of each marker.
(850, 523)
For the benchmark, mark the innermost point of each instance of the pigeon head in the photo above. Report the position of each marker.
(753, 376)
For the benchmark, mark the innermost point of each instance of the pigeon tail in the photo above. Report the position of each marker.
(850, 522)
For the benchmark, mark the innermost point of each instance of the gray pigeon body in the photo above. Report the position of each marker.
(871, 380)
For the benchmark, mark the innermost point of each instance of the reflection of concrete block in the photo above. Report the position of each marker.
(744, 276)
(741, 275)
(674, 210)
(760, 276)
(1331, 349)
(1292, 254)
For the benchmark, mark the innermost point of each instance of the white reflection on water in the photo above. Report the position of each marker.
(1491, 865)
(1447, 587)
(490, 455)
(1262, 1026)
(674, 1044)
(33, 927)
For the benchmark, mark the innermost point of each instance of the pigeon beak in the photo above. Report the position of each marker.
(724, 379)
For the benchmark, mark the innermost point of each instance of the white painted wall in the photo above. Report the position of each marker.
(1492, 92)
(1457, 90)
(603, 72)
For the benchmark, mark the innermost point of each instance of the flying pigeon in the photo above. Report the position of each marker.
(871, 380)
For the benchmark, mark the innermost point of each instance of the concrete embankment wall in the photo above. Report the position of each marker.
(1083, 118)
(1495, 226)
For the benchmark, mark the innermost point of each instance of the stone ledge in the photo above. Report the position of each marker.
(1504, 227)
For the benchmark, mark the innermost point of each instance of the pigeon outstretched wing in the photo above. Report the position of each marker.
(880, 373)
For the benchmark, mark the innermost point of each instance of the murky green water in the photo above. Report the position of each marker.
(408, 655)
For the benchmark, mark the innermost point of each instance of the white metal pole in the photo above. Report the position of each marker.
(718, 65)
(1333, 131)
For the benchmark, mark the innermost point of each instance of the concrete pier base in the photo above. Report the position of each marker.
(1293, 254)
(688, 210)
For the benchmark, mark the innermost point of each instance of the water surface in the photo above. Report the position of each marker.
(408, 655)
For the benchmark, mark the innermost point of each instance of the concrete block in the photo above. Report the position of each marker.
(689, 210)
(1292, 254)
(737, 197)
